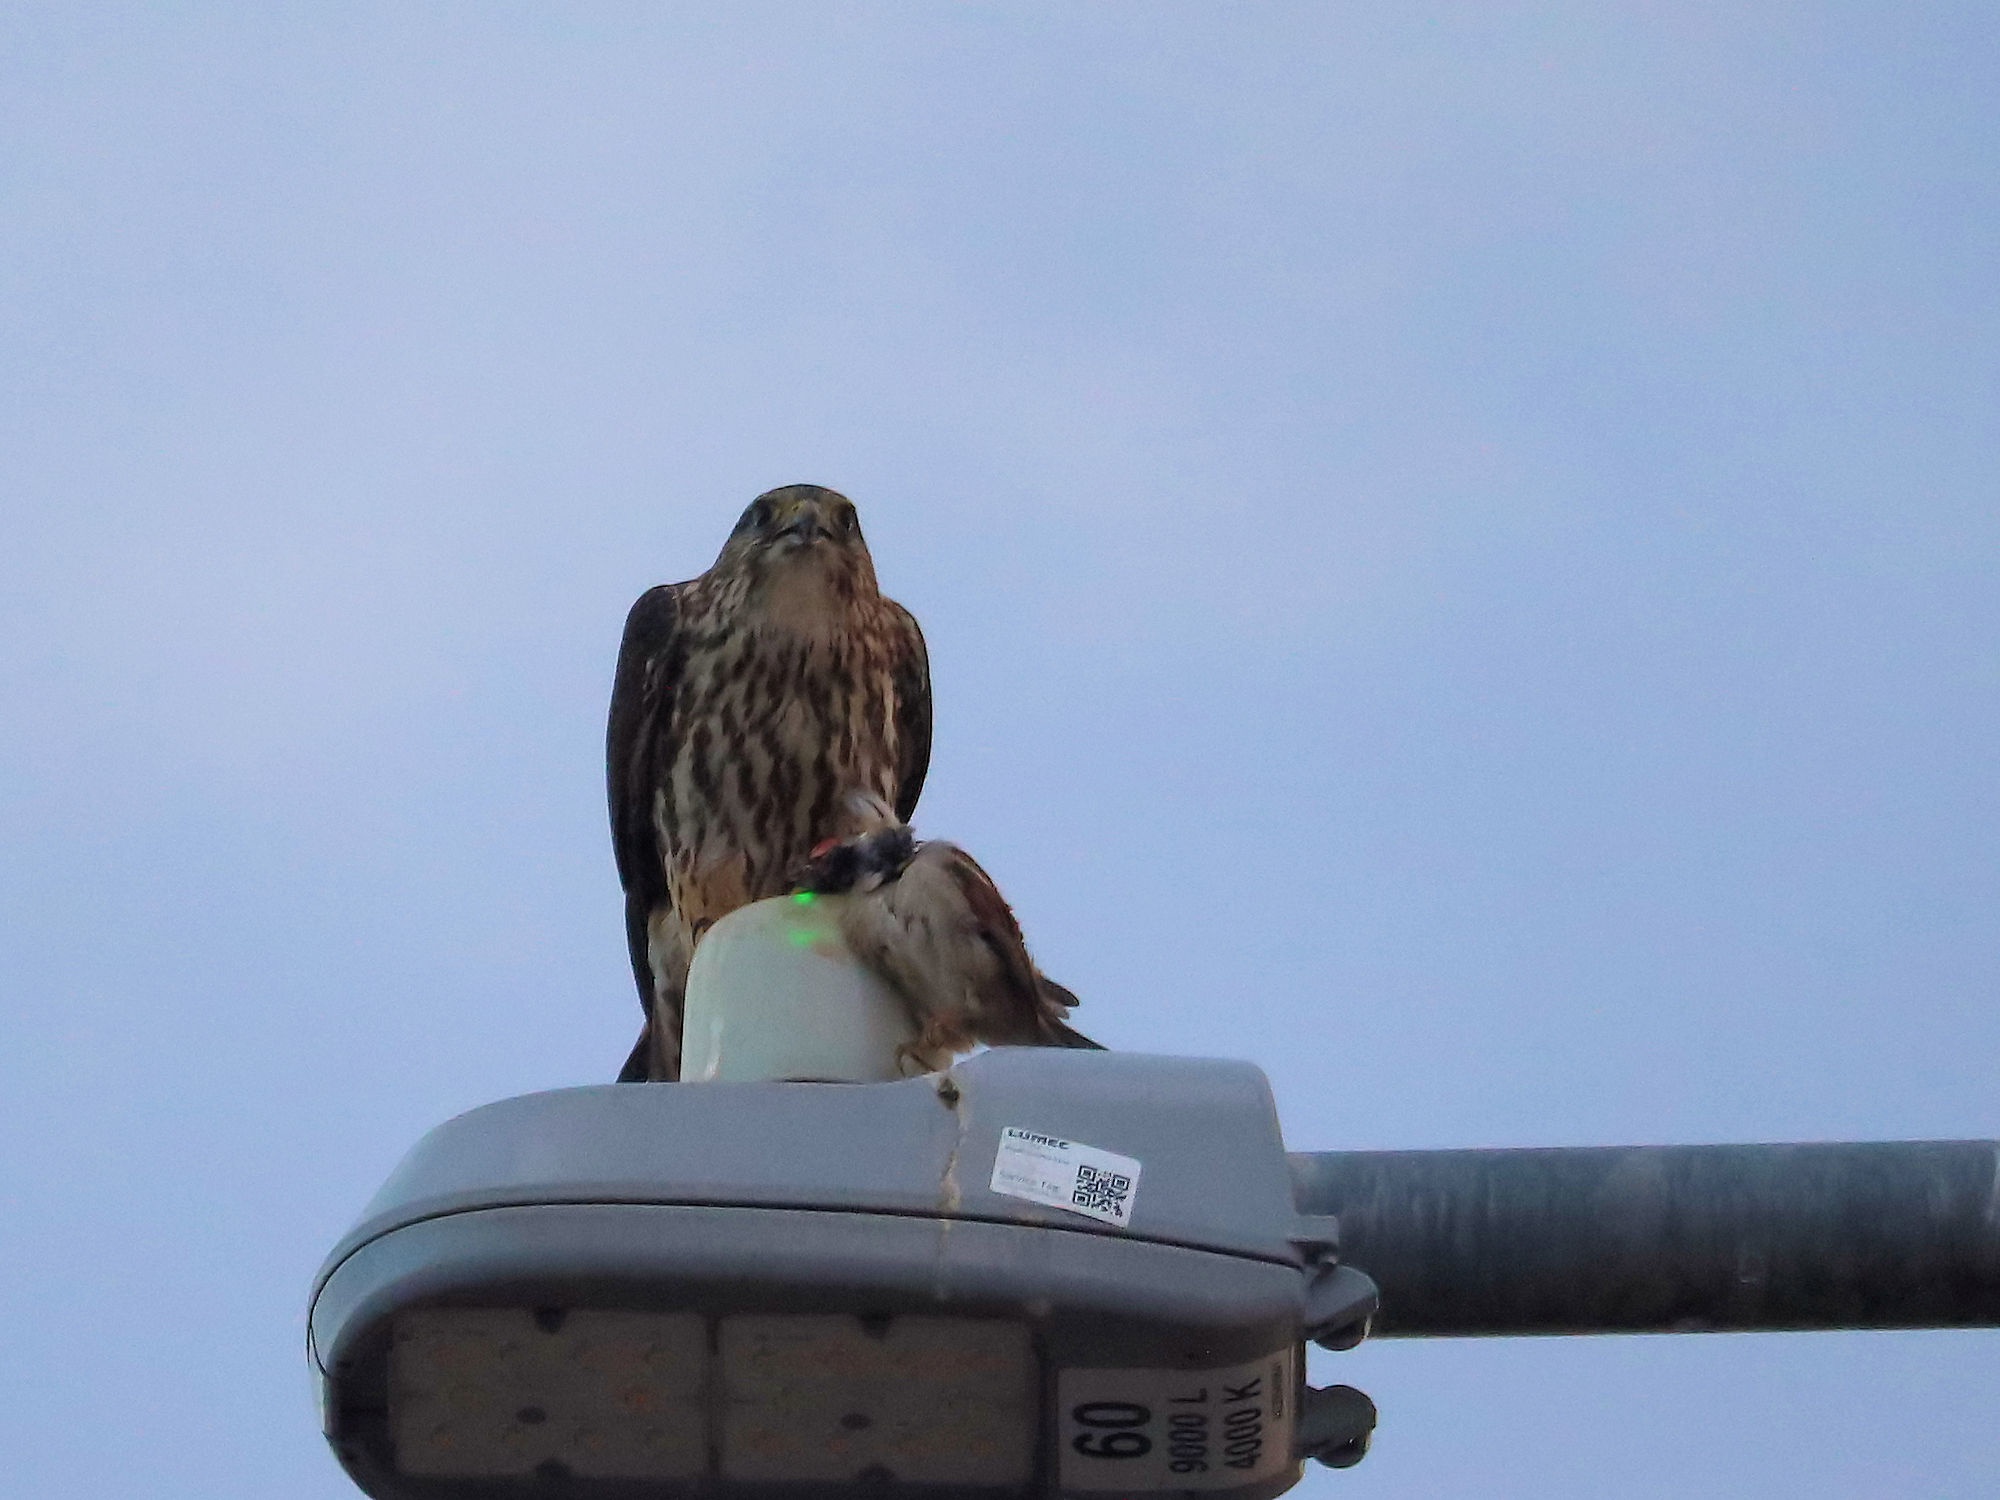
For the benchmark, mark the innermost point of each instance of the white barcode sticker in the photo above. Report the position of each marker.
(1063, 1174)
(1135, 1430)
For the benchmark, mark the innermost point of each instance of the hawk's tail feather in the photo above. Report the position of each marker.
(639, 1066)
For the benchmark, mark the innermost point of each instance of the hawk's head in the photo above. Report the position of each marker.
(803, 532)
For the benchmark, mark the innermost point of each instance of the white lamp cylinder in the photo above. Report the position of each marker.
(774, 993)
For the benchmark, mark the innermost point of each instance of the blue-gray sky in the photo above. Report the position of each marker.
(1457, 543)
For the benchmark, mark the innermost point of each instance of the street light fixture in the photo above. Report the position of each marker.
(1041, 1273)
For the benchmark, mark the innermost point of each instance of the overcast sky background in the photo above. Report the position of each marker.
(1457, 545)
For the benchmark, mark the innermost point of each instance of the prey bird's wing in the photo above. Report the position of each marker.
(913, 710)
(650, 658)
(1037, 1005)
(997, 928)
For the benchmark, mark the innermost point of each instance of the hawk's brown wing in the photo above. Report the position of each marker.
(913, 710)
(650, 659)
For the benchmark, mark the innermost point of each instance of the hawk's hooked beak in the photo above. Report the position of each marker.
(806, 528)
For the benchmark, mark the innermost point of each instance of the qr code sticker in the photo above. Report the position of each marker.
(1102, 1191)
(1066, 1174)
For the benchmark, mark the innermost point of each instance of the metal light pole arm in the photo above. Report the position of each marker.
(1668, 1239)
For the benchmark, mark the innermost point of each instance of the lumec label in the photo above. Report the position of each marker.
(1178, 1429)
(1065, 1174)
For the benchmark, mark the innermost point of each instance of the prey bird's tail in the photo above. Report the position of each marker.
(1062, 1034)
(1057, 1001)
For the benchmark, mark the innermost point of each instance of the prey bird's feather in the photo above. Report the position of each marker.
(931, 923)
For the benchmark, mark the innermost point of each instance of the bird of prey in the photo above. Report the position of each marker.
(748, 702)
(931, 923)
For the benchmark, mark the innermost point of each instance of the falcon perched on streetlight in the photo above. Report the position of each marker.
(932, 924)
(748, 703)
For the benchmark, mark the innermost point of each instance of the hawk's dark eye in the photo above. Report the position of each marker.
(754, 518)
(850, 522)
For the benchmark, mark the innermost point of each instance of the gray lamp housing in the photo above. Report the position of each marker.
(1041, 1273)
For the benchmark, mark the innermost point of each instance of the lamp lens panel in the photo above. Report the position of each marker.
(839, 1399)
(488, 1392)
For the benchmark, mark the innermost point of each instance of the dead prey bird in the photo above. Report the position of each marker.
(930, 922)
